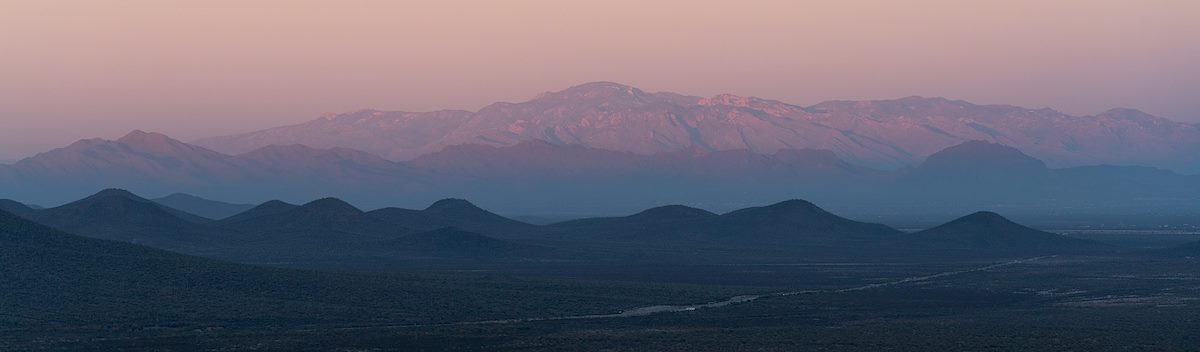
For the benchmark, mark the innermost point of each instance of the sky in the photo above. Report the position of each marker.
(80, 69)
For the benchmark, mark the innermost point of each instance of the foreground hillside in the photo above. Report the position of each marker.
(67, 293)
(51, 280)
(775, 276)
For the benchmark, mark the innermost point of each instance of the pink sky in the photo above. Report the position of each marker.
(71, 70)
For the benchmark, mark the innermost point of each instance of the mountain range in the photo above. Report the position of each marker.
(604, 148)
(537, 177)
(882, 134)
(329, 230)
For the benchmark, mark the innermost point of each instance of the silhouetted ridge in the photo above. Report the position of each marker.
(114, 192)
(798, 219)
(116, 199)
(332, 214)
(331, 206)
(975, 154)
(789, 222)
(986, 230)
(270, 207)
(453, 205)
(139, 137)
(792, 208)
(986, 219)
(313, 227)
(671, 212)
(117, 214)
(463, 210)
(15, 207)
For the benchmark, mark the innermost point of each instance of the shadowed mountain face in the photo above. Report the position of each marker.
(267, 208)
(119, 215)
(462, 210)
(881, 134)
(975, 171)
(800, 218)
(671, 213)
(327, 221)
(457, 213)
(790, 222)
(982, 159)
(15, 207)
(988, 231)
(54, 280)
(203, 207)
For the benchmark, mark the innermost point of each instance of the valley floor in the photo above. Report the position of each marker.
(1084, 303)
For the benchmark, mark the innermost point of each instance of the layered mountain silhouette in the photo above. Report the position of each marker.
(884, 134)
(55, 280)
(800, 218)
(788, 222)
(323, 222)
(203, 207)
(981, 159)
(326, 228)
(329, 230)
(332, 228)
(271, 207)
(116, 214)
(669, 222)
(15, 207)
(988, 231)
(453, 213)
(536, 177)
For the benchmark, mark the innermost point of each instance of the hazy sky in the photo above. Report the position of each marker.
(78, 69)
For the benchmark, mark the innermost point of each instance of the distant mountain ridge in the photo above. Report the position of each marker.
(885, 134)
(543, 178)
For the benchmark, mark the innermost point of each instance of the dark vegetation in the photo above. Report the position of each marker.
(434, 279)
(52, 281)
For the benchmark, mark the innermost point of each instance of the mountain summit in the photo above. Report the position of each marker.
(990, 231)
(982, 154)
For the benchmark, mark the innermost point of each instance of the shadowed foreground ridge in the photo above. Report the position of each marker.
(790, 271)
(988, 230)
(127, 287)
(117, 214)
